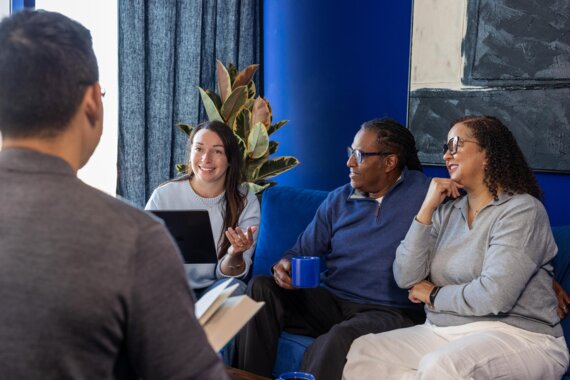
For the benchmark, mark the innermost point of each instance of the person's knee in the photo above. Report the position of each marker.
(437, 365)
(260, 286)
(360, 344)
(338, 339)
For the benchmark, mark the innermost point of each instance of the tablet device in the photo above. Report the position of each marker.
(192, 232)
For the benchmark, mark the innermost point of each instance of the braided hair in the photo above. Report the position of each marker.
(506, 169)
(398, 139)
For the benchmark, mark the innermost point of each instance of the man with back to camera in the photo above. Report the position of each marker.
(89, 286)
(357, 230)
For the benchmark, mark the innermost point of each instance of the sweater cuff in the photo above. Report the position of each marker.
(445, 297)
(220, 274)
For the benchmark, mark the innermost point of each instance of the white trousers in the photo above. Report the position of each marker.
(479, 350)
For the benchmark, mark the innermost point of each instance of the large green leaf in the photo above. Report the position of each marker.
(181, 168)
(251, 90)
(241, 124)
(233, 104)
(215, 98)
(210, 107)
(252, 167)
(263, 182)
(276, 166)
(261, 112)
(186, 128)
(224, 81)
(233, 71)
(257, 141)
(257, 189)
(249, 104)
(242, 148)
(273, 145)
(244, 77)
(275, 127)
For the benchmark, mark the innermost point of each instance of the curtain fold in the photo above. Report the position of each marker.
(166, 50)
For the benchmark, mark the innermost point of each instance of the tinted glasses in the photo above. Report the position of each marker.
(454, 143)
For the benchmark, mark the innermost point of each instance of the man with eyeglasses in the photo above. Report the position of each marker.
(356, 230)
(90, 287)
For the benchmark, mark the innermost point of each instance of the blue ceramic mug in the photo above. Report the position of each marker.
(305, 271)
(296, 376)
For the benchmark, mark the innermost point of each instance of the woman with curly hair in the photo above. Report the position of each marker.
(481, 265)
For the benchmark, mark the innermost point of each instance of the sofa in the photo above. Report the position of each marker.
(286, 211)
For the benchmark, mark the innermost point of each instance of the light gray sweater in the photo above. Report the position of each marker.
(179, 195)
(497, 270)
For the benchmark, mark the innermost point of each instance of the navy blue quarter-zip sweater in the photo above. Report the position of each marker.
(358, 238)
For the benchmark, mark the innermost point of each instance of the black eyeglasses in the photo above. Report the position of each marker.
(359, 155)
(453, 144)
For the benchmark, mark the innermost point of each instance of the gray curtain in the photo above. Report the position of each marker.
(166, 50)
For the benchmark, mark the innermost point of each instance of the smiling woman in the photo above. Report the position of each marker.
(214, 181)
(100, 18)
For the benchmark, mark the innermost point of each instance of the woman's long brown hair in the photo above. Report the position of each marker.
(234, 197)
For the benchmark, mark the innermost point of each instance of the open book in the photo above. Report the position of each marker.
(221, 316)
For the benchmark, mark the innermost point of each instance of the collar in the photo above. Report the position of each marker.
(461, 203)
(31, 161)
(356, 194)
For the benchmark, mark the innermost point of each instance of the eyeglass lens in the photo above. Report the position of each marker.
(451, 145)
(356, 153)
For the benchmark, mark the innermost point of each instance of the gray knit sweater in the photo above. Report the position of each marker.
(499, 269)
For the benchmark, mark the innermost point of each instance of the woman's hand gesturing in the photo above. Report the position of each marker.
(240, 241)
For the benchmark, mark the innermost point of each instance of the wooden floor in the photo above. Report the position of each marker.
(238, 374)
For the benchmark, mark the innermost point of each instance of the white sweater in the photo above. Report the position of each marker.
(179, 195)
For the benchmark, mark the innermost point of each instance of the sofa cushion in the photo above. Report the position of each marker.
(562, 260)
(285, 212)
(290, 352)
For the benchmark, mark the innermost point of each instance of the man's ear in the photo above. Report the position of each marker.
(391, 162)
(93, 104)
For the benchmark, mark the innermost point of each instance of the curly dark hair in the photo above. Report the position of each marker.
(398, 139)
(507, 169)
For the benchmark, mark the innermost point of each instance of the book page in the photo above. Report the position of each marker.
(229, 319)
(206, 301)
(216, 304)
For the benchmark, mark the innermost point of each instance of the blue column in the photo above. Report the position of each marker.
(330, 65)
(19, 5)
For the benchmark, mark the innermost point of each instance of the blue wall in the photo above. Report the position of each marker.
(331, 65)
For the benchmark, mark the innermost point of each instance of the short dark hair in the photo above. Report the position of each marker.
(397, 139)
(46, 63)
(507, 168)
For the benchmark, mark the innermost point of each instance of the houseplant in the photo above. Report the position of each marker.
(250, 119)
